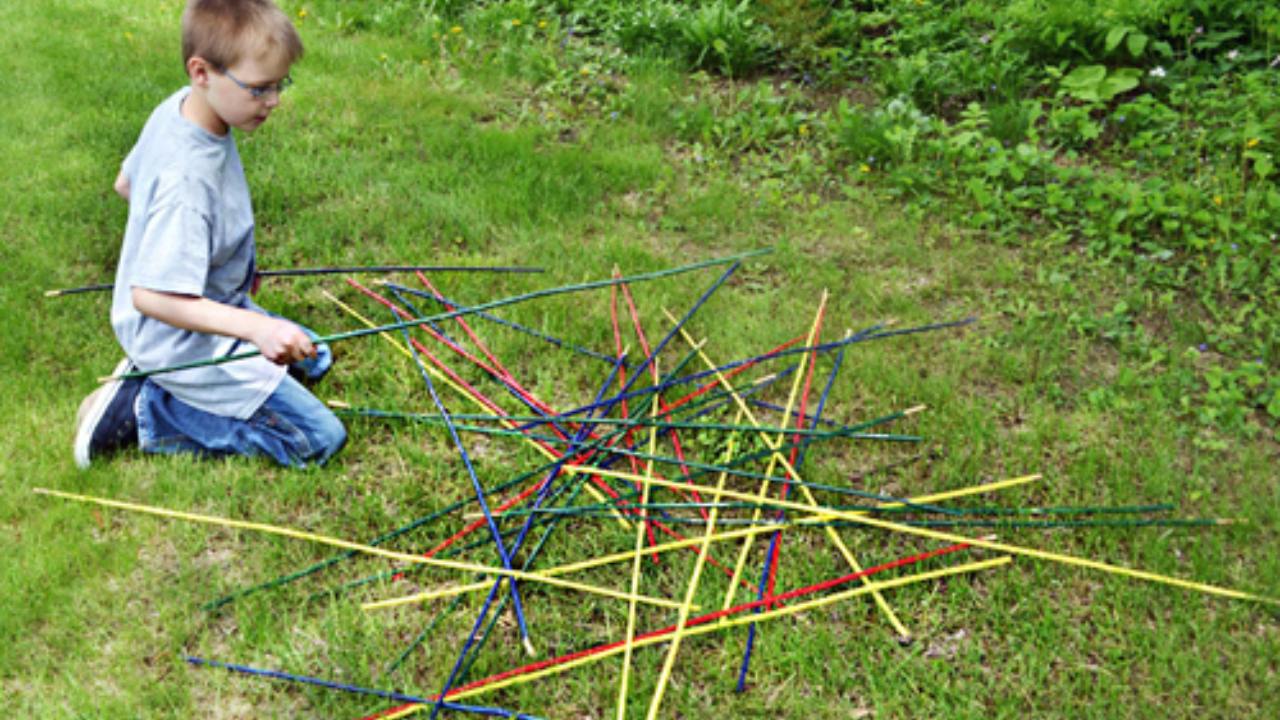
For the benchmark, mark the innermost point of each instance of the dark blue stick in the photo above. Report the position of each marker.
(442, 300)
(388, 694)
(781, 515)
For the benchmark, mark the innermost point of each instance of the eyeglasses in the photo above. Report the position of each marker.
(259, 91)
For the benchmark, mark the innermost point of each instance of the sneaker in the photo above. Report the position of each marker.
(106, 421)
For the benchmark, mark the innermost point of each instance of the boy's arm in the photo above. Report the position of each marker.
(122, 185)
(280, 341)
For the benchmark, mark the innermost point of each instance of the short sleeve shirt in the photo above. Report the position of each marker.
(190, 231)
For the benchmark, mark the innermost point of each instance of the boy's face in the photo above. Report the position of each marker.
(230, 93)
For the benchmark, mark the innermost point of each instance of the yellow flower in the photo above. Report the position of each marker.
(804, 130)
(542, 24)
(1217, 199)
(456, 29)
(1252, 143)
(864, 168)
(302, 14)
(382, 57)
(584, 71)
(515, 22)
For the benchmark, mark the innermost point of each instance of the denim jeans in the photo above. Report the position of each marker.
(292, 427)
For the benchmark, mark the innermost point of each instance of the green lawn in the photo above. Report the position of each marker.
(414, 149)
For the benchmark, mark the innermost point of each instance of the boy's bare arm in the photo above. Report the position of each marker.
(122, 185)
(280, 341)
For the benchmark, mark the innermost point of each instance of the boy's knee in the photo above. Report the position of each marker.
(329, 437)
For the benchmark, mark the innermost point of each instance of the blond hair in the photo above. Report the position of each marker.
(223, 32)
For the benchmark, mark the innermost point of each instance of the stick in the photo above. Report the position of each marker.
(298, 272)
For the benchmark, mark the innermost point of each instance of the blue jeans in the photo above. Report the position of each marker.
(292, 427)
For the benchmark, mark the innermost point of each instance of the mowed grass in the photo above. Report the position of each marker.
(377, 159)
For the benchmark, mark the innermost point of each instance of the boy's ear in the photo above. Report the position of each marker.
(199, 69)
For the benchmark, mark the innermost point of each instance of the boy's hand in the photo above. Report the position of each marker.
(282, 342)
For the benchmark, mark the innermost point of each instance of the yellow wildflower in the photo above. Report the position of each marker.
(864, 168)
(515, 22)
(302, 14)
(584, 71)
(1252, 143)
(804, 130)
(542, 24)
(1217, 199)
(456, 29)
(382, 57)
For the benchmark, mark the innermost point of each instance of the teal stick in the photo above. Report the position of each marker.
(362, 332)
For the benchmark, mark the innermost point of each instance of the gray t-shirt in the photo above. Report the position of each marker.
(190, 231)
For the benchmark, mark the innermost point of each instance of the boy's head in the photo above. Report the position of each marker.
(237, 54)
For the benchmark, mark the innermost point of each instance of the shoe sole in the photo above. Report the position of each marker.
(84, 428)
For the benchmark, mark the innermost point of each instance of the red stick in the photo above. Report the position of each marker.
(777, 600)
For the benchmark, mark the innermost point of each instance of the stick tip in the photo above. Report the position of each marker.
(339, 404)
(915, 410)
(52, 293)
(528, 648)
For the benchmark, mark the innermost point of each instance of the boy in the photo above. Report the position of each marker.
(187, 267)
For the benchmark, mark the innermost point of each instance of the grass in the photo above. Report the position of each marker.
(377, 159)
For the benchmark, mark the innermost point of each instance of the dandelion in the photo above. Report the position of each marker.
(1217, 200)
(456, 29)
(584, 71)
(1157, 72)
(382, 57)
(515, 22)
(302, 14)
(804, 130)
(864, 168)
(1251, 143)
(542, 24)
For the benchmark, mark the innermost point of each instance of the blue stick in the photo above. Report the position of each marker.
(475, 483)
(493, 591)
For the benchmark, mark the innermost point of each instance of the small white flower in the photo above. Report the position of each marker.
(1276, 61)
(1158, 72)
(1233, 54)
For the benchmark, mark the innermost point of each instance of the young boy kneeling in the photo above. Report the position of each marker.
(187, 267)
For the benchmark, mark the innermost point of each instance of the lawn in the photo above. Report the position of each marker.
(489, 134)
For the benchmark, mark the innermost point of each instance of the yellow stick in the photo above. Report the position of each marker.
(765, 484)
(863, 519)
(904, 635)
(508, 424)
(812, 518)
(357, 547)
(670, 660)
(636, 562)
(715, 627)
